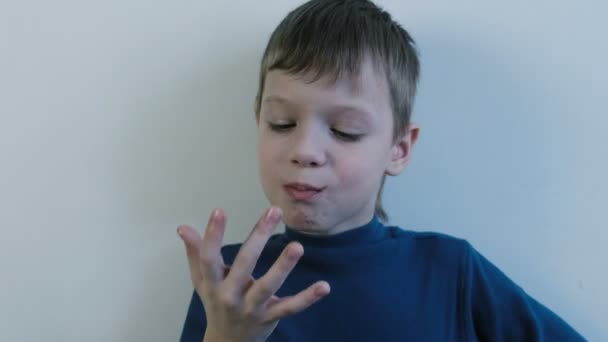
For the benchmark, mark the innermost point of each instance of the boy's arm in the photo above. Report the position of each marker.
(500, 310)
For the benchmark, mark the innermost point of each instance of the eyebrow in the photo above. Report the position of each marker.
(336, 109)
(276, 98)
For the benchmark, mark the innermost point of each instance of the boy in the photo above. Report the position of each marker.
(337, 83)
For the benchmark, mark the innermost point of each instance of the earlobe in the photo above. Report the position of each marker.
(402, 150)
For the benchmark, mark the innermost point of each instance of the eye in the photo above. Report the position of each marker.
(346, 136)
(280, 127)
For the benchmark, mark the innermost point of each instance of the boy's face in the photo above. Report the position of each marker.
(324, 148)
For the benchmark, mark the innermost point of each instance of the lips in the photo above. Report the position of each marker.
(303, 187)
(302, 191)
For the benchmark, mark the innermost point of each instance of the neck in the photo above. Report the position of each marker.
(338, 228)
(362, 234)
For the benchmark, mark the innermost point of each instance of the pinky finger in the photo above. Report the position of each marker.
(192, 241)
(292, 305)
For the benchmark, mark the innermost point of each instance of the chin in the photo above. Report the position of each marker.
(304, 221)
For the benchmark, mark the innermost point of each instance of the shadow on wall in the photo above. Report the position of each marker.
(193, 149)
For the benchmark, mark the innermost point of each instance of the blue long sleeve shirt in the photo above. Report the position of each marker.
(390, 284)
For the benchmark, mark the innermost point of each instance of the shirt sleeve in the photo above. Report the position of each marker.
(196, 322)
(500, 310)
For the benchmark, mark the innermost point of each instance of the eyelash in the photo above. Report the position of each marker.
(282, 128)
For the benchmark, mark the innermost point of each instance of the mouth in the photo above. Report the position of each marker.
(302, 191)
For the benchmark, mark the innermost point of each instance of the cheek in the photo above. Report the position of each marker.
(362, 170)
(353, 172)
(269, 146)
(267, 158)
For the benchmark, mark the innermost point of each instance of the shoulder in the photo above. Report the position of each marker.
(436, 246)
(430, 239)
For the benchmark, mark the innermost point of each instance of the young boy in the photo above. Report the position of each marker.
(337, 83)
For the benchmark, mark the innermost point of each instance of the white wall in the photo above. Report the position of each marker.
(120, 120)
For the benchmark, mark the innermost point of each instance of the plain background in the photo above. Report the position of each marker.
(120, 120)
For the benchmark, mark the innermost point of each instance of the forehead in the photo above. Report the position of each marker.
(366, 90)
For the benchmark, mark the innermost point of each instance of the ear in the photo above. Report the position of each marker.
(401, 151)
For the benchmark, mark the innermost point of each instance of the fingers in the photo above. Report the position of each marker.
(209, 273)
(204, 255)
(288, 306)
(250, 251)
(192, 243)
(269, 284)
(212, 262)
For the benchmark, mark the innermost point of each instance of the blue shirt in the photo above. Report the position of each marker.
(390, 284)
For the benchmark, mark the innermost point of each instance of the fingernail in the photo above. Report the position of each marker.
(219, 217)
(292, 253)
(322, 289)
(215, 215)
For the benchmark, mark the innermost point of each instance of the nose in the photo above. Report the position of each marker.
(308, 148)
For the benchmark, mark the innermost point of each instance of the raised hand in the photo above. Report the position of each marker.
(237, 306)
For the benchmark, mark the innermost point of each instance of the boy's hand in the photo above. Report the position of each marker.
(239, 307)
